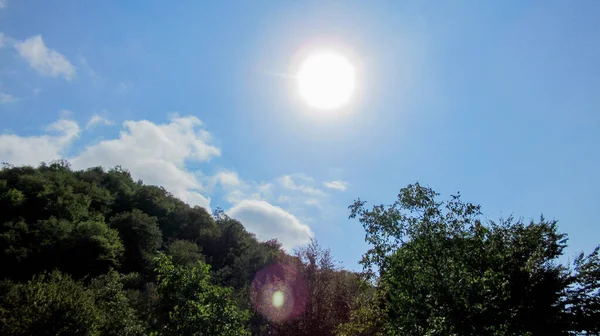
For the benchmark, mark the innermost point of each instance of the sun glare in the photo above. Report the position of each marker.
(326, 80)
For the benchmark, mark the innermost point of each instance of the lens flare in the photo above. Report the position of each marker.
(279, 292)
(278, 298)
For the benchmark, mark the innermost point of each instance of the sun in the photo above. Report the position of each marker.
(326, 80)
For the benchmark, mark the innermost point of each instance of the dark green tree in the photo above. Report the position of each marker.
(141, 237)
(116, 312)
(442, 272)
(185, 253)
(50, 305)
(191, 304)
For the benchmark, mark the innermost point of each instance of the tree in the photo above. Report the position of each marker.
(116, 313)
(583, 296)
(367, 318)
(185, 253)
(192, 305)
(443, 272)
(50, 304)
(141, 237)
(86, 226)
(44, 219)
(330, 291)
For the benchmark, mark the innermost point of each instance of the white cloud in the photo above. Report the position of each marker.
(157, 154)
(2, 4)
(296, 191)
(5, 98)
(32, 150)
(97, 120)
(268, 222)
(236, 189)
(228, 179)
(313, 202)
(46, 61)
(288, 182)
(2, 38)
(339, 185)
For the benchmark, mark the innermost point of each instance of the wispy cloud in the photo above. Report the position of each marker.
(96, 120)
(296, 183)
(46, 61)
(122, 88)
(85, 68)
(339, 185)
(2, 4)
(5, 98)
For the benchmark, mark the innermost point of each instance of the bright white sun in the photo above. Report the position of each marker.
(326, 80)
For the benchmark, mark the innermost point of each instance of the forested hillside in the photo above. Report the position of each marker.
(94, 252)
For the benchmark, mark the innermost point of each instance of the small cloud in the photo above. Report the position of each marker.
(2, 38)
(84, 65)
(284, 199)
(228, 179)
(268, 222)
(122, 88)
(314, 202)
(65, 114)
(46, 61)
(288, 182)
(2, 4)
(339, 185)
(68, 128)
(97, 120)
(5, 98)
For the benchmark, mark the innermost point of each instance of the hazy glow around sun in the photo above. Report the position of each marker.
(326, 80)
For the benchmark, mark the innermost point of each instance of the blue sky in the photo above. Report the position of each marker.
(499, 100)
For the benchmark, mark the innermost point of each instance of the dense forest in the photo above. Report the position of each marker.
(95, 252)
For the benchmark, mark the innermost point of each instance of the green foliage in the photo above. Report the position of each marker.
(51, 304)
(141, 237)
(583, 296)
(442, 272)
(55, 304)
(368, 318)
(192, 305)
(116, 311)
(185, 253)
(44, 220)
